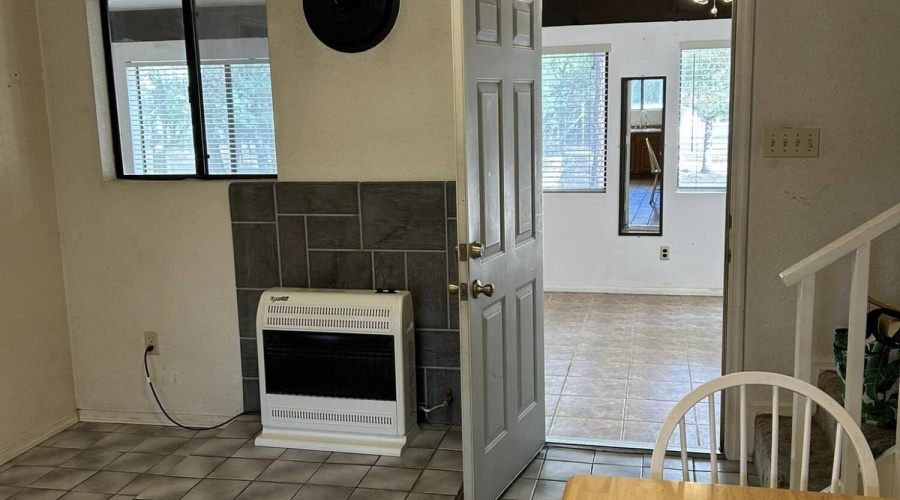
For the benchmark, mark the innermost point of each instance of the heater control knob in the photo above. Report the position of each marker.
(478, 288)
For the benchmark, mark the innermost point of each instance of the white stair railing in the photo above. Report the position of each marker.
(857, 244)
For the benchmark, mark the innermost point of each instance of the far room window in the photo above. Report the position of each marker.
(703, 118)
(575, 95)
(190, 94)
(647, 94)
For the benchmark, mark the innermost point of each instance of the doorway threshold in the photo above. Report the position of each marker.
(621, 446)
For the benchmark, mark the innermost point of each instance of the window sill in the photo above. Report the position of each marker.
(573, 191)
(701, 191)
(194, 177)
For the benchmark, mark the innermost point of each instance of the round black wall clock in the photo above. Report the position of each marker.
(351, 25)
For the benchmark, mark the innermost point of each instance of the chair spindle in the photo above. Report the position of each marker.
(804, 463)
(713, 457)
(773, 465)
(743, 391)
(836, 464)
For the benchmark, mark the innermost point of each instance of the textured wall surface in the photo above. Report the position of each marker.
(834, 68)
(36, 387)
(382, 115)
(138, 256)
(157, 256)
(389, 235)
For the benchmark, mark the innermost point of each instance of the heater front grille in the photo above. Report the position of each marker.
(366, 312)
(333, 417)
(336, 318)
(337, 324)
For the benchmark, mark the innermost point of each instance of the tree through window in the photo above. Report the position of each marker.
(704, 109)
(574, 121)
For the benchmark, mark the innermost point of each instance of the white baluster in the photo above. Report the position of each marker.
(802, 366)
(856, 351)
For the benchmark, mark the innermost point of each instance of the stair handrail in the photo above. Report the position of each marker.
(858, 244)
(842, 246)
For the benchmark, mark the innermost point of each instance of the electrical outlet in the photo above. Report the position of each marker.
(152, 339)
(664, 253)
(791, 143)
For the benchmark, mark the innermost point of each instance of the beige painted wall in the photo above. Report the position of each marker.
(832, 66)
(36, 388)
(386, 114)
(158, 256)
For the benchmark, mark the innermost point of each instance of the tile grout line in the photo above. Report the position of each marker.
(447, 249)
(306, 251)
(277, 235)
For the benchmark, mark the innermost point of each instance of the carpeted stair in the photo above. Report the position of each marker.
(821, 446)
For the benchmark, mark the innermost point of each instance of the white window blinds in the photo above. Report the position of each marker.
(703, 127)
(237, 104)
(575, 95)
(161, 137)
(240, 128)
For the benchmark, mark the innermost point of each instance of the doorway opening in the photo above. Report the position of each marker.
(635, 164)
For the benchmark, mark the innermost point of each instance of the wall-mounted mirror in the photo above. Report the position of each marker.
(642, 142)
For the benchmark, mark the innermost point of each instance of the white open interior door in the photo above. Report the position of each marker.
(498, 71)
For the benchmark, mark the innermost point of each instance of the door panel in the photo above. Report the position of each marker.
(523, 28)
(497, 56)
(524, 161)
(528, 355)
(490, 139)
(488, 18)
(494, 373)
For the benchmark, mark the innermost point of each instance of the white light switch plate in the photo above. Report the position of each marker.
(791, 143)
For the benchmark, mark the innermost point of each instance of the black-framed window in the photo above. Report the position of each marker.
(190, 88)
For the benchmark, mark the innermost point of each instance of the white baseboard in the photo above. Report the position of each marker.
(37, 437)
(709, 292)
(150, 417)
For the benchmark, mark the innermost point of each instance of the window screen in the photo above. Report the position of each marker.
(703, 114)
(575, 95)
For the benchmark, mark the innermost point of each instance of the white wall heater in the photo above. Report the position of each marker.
(337, 370)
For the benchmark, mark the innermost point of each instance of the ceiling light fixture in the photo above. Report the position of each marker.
(715, 10)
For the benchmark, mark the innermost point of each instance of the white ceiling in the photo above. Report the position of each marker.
(176, 4)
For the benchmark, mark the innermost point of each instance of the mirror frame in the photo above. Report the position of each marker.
(623, 166)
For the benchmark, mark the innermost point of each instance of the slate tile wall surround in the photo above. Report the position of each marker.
(399, 235)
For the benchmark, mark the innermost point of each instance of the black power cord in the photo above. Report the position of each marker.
(159, 403)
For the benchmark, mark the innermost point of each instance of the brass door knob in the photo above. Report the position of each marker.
(479, 288)
(453, 288)
(476, 250)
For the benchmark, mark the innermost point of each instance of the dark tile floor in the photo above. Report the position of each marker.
(93, 461)
(545, 478)
(97, 461)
